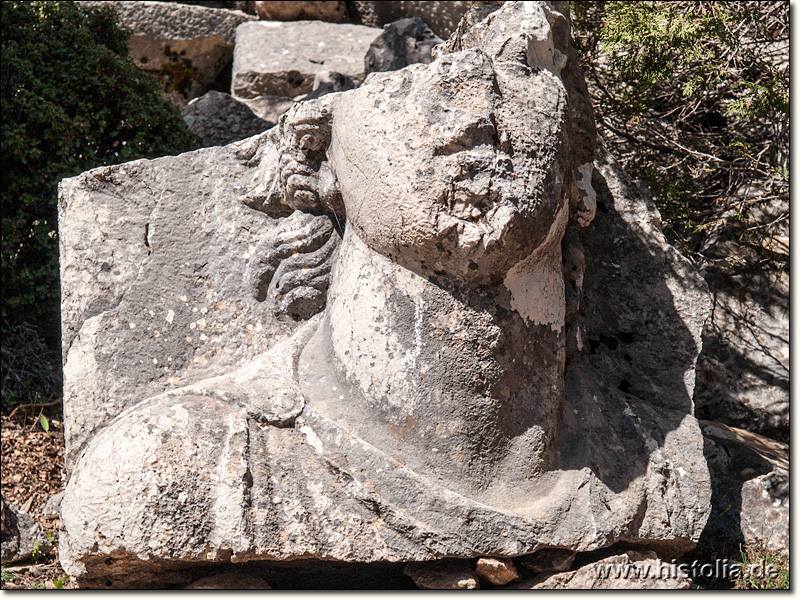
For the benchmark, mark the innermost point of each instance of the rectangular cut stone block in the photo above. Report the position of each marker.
(168, 38)
(441, 17)
(281, 59)
(153, 260)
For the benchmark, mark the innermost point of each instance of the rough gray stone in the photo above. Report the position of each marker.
(442, 17)
(52, 508)
(445, 574)
(765, 511)
(433, 407)
(219, 119)
(327, 82)
(630, 571)
(743, 371)
(548, 560)
(20, 534)
(402, 43)
(750, 475)
(149, 301)
(281, 58)
(186, 46)
(496, 571)
(269, 108)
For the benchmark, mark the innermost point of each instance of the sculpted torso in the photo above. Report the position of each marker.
(423, 220)
(442, 340)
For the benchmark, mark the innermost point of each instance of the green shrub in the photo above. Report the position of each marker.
(693, 97)
(72, 100)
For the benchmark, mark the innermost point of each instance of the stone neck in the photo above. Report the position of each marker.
(461, 385)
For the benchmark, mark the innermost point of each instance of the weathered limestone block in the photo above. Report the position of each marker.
(20, 534)
(396, 334)
(219, 119)
(402, 43)
(496, 571)
(148, 300)
(281, 58)
(630, 571)
(441, 17)
(187, 46)
(333, 12)
(765, 511)
(743, 371)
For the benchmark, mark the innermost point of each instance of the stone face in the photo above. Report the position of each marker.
(441, 17)
(629, 571)
(219, 119)
(443, 575)
(395, 334)
(20, 534)
(402, 43)
(497, 571)
(281, 59)
(333, 12)
(186, 46)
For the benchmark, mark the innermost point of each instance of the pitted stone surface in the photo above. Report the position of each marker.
(281, 58)
(219, 119)
(186, 46)
(443, 400)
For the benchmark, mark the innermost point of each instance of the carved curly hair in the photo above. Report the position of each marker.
(291, 267)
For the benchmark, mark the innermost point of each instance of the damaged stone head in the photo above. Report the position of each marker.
(422, 225)
(451, 186)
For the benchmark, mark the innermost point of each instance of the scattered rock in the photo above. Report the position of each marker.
(750, 500)
(442, 17)
(630, 571)
(496, 571)
(327, 82)
(219, 119)
(268, 108)
(52, 507)
(402, 43)
(333, 12)
(278, 59)
(765, 511)
(446, 574)
(548, 560)
(230, 580)
(20, 534)
(186, 46)
(743, 371)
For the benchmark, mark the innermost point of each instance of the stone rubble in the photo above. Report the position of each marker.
(496, 571)
(219, 119)
(186, 46)
(275, 58)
